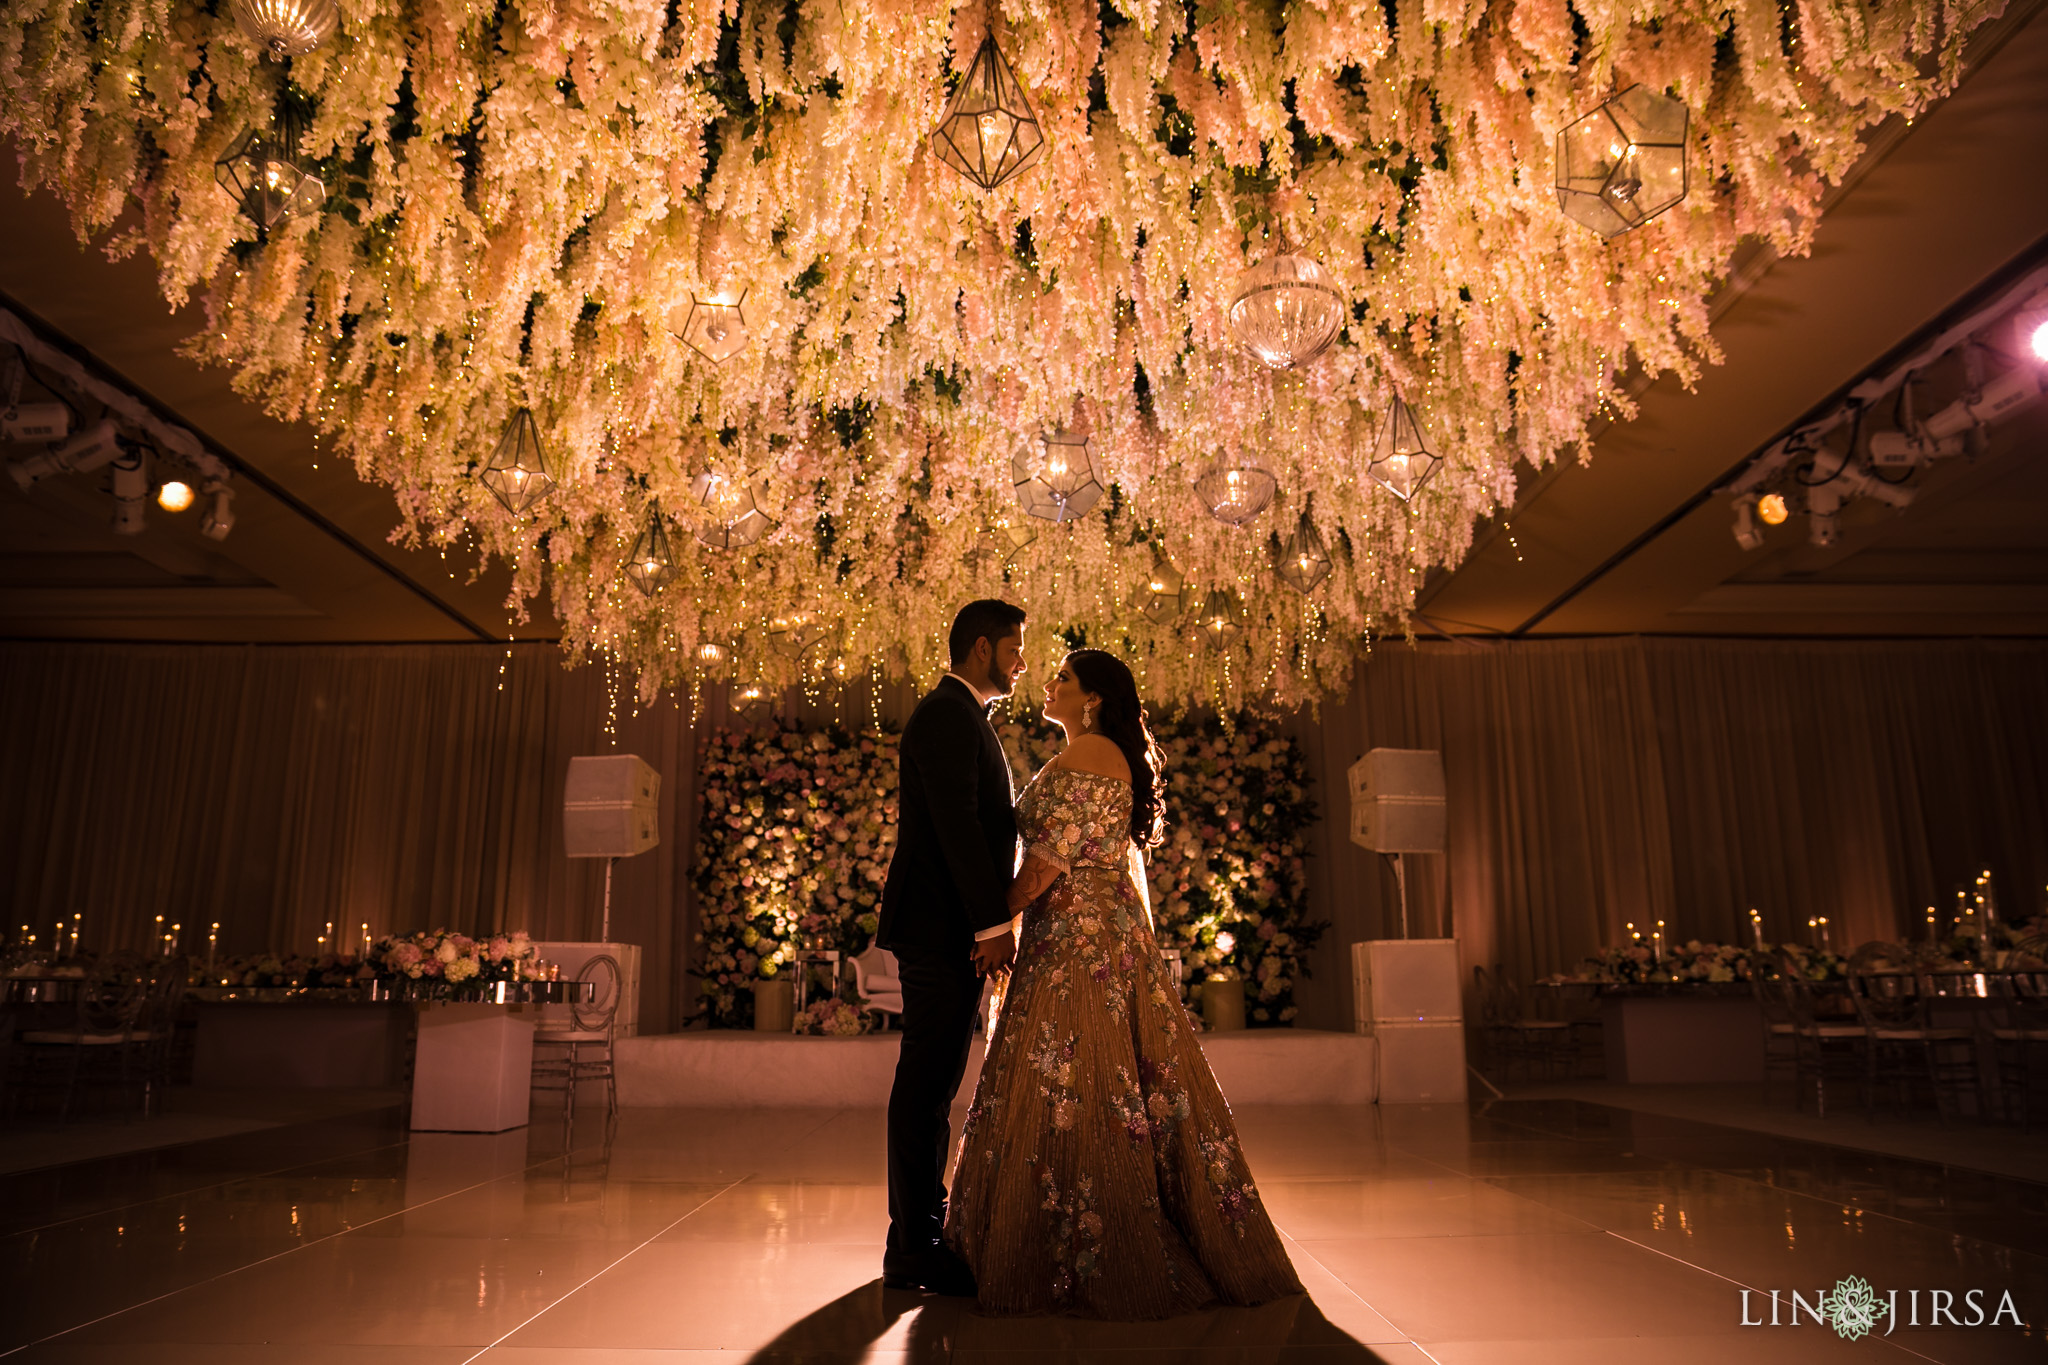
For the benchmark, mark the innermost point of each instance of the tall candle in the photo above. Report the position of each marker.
(366, 940)
(1812, 932)
(1933, 932)
(75, 918)
(1756, 927)
(212, 938)
(1826, 946)
(1658, 954)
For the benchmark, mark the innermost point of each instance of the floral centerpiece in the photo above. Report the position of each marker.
(285, 971)
(456, 958)
(798, 827)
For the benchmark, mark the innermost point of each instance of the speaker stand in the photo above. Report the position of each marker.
(1400, 880)
(604, 935)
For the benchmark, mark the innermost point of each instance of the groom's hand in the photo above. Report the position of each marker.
(993, 955)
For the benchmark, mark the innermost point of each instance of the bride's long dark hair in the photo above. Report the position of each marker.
(1121, 718)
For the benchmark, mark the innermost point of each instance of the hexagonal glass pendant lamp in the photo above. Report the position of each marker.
(651, 567)
(1235, 492)
(1302, 561)
(518, 472)
(1222, 616)
(1164, 592)
(733, 516)
(1623, 164)
(988, 132)
(1401, 460)
(715, 328)
(1057, 477)
(286, 28)
(1287, 311)
(261, 173)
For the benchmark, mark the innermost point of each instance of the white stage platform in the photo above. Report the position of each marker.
(734, 1069)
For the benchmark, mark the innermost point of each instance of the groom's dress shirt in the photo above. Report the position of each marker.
(956, 838)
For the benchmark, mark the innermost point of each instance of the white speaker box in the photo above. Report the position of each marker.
(610, 807)
(570, 957)
(1405, 980)
(1421, 1063)
(1397, 801)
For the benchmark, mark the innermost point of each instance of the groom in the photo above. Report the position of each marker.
(945, 917)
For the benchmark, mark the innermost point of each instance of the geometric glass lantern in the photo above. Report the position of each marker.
(518, 471)
(1222, 617)
(714, 651)
(1287, 311)
(1057, 477)
(795, 634)
(286, 28)
(1401, 461)
(714, 328)
(1623, 164)
(988, 132)
(651, 567)
(1302, 561)
(1234, 493)
(268, 185)
(1164, 591)
(732, 511)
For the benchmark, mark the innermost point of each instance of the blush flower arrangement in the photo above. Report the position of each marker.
(798, 826)
(439, 955)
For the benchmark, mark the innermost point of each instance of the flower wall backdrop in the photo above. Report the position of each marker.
(798, 827)
(526, 197)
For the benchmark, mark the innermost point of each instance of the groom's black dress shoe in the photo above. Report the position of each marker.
(937, 1271)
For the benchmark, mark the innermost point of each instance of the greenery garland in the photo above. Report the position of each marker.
(798, 826)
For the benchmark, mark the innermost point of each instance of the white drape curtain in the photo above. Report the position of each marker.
(1594, 783)
(1591, 783)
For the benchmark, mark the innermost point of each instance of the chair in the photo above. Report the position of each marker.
(2019, 1044)
(580, 1048)
(1514, 1036)
(1773, 991)
(106, 1035)
(1903, 1045)
(876, 980)
(1825, 1048)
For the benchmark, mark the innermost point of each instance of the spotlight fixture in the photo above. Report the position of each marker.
(714, 327)
(988, 132)
(1402, 461)
(174, 496)
(286, 28)
(82, 454)
(35, 422)
(1287, 311)
(220, 513)
(518, 473)
(1623, 164)
(1771, 509)
(131, 490)
(1747, 535)
(2030, 325)
(1903, 450)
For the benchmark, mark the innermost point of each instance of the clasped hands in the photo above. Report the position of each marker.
(993, 956)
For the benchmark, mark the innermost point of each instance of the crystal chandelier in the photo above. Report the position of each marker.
(259, 172)
(988, 132)
(1235, 492)
(651, 567)
(1302, 561)
(1057, 477)
(1623, 164)
(733, 518)
(1401, 460)
(518, 472)
(1164, 591)
(1221, 619)
(1287, 311)
(286, 28)
(715, 327)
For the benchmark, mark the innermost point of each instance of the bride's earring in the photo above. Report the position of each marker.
(1088, 718)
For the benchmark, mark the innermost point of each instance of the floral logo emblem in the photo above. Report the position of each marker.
(1853, 1308)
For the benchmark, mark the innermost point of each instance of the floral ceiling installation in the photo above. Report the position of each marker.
(525, 200)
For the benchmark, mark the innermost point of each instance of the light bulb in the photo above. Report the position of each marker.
(174, 496)
(1771, 509)
(2038, 342)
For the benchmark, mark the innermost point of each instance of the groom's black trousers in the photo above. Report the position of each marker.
(941, 994)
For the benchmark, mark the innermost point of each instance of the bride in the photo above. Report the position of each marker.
(1099, 1170)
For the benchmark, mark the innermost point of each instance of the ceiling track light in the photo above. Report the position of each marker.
(220, 510)
(131, 490)
(97, 445)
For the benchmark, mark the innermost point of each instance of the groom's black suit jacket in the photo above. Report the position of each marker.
(956, 833)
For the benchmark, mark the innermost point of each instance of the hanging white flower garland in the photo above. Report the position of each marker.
(526, 203)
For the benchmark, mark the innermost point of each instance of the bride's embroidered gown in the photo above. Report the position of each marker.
(1099, 1170)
